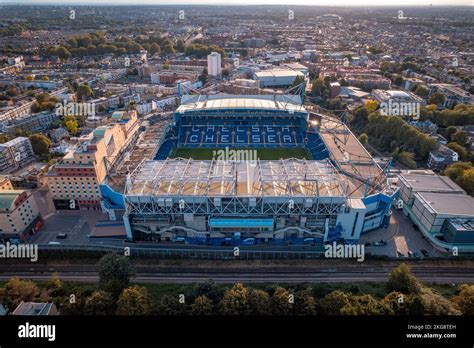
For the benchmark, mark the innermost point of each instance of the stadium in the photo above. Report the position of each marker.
(252, 170)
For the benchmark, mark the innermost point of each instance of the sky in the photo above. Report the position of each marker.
(257, 2)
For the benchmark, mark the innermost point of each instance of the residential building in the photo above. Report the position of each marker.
(19, 215)
(74, 181)
(15, 154)
(440, 158)
(453, 95)
(214, 67)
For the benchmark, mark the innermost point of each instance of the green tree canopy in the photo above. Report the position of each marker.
(40, 144)
(114, 273)
(135, 301)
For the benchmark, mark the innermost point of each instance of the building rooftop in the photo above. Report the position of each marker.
(8, 197)
(429, 183)
(278, 73)
(240, 103)
(35, 308)
(186, 177)
(453, 204)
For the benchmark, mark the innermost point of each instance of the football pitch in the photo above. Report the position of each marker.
(256, 153)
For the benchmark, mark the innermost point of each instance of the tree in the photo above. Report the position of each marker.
(402, 280)
(135, 301)
(204, 77)
(170, 305)
(465, 299)
(298, 81)
(72, 126)
(467, 181)
(209, 289)
(371, 106)
(12, 91)
(402, 304)
(459, 149)
(449, 132)
(83, 92)
(305, 304)
(225, 73)
(168, 50)
(333, 302)
(259, 302)
(180, 45)
(421, 91)
(235, 301)
(364, 138)
(456, 170)
(114, 273)
(40, 144)
(280, 302)
(364, 305)
(437, 99)
(99, 303)
(460, 137)
(318, 87)
(63, 53)
(398, 80)
(406, 158)
(17, 290)
(435, 304)
(155, 48)
(202, 306)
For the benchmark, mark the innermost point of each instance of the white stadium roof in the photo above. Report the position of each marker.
(186, 177)
(240, 103)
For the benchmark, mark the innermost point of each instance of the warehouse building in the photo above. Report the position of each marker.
(442, 211)
(281, 78)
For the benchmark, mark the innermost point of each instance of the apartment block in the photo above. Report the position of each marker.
(15, 154)
(19, 215)
(74, 181)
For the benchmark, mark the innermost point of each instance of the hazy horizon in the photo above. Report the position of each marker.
(320, 3)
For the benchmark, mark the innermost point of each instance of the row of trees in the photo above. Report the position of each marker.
(460, 115)
(462, 173)
(97, 44)
(391, 134)
(403, 295)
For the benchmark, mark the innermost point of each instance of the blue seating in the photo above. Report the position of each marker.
(272, 133)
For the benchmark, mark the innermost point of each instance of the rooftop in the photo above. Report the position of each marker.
(429, 183)
(453, 204)
(7, 197)
(240, 103)
(279, 73)
(183, 177)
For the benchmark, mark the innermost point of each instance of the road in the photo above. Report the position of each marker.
(183, 275)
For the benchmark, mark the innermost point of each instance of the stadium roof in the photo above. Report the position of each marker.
(240, 103)
(185, 177)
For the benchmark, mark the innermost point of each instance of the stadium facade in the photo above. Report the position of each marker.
(336, 193)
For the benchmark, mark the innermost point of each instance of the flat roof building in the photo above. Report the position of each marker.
(440, 208)
(280, 78)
